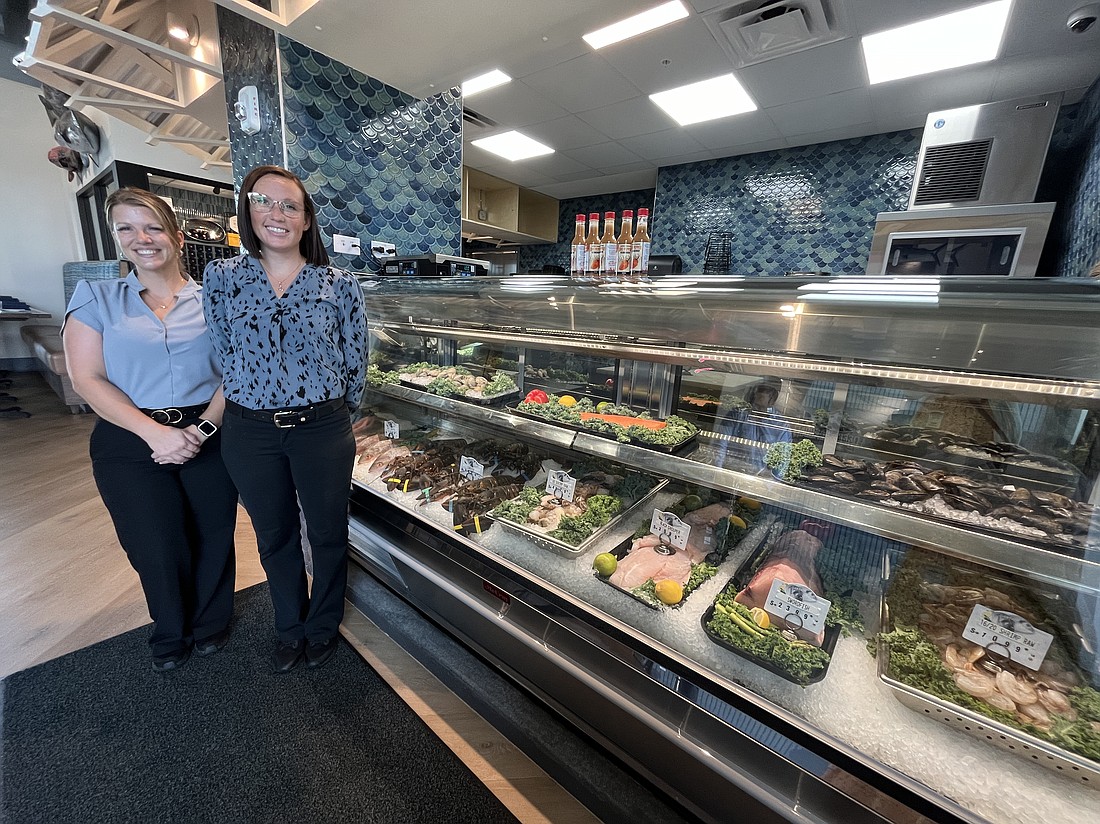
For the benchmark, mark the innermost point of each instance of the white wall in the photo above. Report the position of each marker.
(39, 228)
(39, 224)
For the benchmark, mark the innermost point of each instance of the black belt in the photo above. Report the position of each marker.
(172, 415)
(289, 417)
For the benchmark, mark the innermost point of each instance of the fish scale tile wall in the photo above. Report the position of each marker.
(806, 209)
(380, 164)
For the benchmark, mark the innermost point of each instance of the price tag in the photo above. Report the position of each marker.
(561, 485)
(470, 469)
(1008, 634)
(391, 429)
(670, 529)
(798, 605)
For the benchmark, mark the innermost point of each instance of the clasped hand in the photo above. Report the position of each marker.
(175, 446)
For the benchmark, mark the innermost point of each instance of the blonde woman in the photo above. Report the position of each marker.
(138, 352)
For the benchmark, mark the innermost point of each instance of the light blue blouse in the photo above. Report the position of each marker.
(158, 364)
(308, 346)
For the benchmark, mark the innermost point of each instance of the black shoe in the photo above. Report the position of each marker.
(318, 653)
(215, 643)
(287, 655)
(167, 663)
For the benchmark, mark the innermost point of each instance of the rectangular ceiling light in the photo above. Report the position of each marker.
(656, 17)
(512, 146)
(706, 100)
(945, 42)
(484, 81)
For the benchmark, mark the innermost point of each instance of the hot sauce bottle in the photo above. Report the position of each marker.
(577, 260)
(639, 263)
(593, 247)
(610, 263)
(626, 245)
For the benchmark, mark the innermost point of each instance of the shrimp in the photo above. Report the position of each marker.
(1001, 701)
(975, 683)
(1035, 714)
(1017, 689)
(1056, 702)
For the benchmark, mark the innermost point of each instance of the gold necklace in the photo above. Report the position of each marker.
(278, 282)
(171, 298)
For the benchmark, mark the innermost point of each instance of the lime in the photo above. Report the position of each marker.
(602, 405)
(605, 564)
(668, 591)
(567, 400)
(760, 617)
(691, 503)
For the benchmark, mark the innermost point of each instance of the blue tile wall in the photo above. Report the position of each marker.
(249, 58)
(806, 209)
(533, 258)
(1071, 177)
(381, 164)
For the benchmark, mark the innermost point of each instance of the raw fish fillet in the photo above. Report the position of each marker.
(791, 560)
(709, 515)
(644, 562)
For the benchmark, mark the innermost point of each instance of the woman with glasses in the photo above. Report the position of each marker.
(138, 352)
(290, 332)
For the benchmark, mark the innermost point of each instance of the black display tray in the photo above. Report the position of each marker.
(674, 449)
(620, 552)
(736, 582)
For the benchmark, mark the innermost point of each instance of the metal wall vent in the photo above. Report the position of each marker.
(478, 120)
(755, 31)
(953, 173)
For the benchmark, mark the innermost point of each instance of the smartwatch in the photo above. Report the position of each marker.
(207, 428)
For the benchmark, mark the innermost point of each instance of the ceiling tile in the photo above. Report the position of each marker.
(663, 144)
(1038, 74)
(513, 105)
(555, 164)
(603, 154)
(675, 55)
(834, 67)
(583, 83)
(833, 111)
(627, 118)
(903, 104)
(565, 133)
(729, 132)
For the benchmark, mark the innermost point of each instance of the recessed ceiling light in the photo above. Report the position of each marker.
(485, 81)
(945, 42)
(706, 100)
(513, 146)
(638, 24)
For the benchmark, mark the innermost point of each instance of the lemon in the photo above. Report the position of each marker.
(602, 405)
(738, 522)
(668, 591)
(749, 503)
(605, 563)
(760, 617)
(567, 400)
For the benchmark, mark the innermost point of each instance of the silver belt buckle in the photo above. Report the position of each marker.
(291, 423)
(166, 416)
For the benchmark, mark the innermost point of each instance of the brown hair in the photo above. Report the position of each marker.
(131, 196)
(311, 247)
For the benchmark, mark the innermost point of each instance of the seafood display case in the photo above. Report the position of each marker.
(819, 548)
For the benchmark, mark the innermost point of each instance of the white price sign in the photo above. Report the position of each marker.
(391, 429)
(1008, 634)
(670, 529)
(798, 605)
(561, 485)
(470, 469)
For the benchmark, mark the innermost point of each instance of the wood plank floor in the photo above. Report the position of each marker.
(65, 584)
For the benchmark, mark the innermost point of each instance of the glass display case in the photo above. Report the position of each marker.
(810, 547)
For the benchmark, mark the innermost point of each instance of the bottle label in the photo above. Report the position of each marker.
(580, 261)
(611, 257)
(636, 258)
(626, 253)
(595, 258)
(645, 257)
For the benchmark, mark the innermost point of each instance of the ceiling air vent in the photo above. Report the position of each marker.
(953, 174)
(755, 31)
(478, 120)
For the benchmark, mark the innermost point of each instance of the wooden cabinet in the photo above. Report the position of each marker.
(493, 207)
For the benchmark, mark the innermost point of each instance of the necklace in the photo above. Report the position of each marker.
(279, 282)
(157, 298)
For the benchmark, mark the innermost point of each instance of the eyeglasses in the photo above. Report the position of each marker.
(264, 204)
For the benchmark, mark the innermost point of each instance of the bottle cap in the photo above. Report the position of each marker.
(628, 213)
(580, 218)
(643, 212)
(594, 216)
(606, 215)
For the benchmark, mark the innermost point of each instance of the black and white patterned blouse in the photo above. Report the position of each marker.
(306, 347)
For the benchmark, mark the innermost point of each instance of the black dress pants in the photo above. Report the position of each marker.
(278, 470)
(176, 524)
